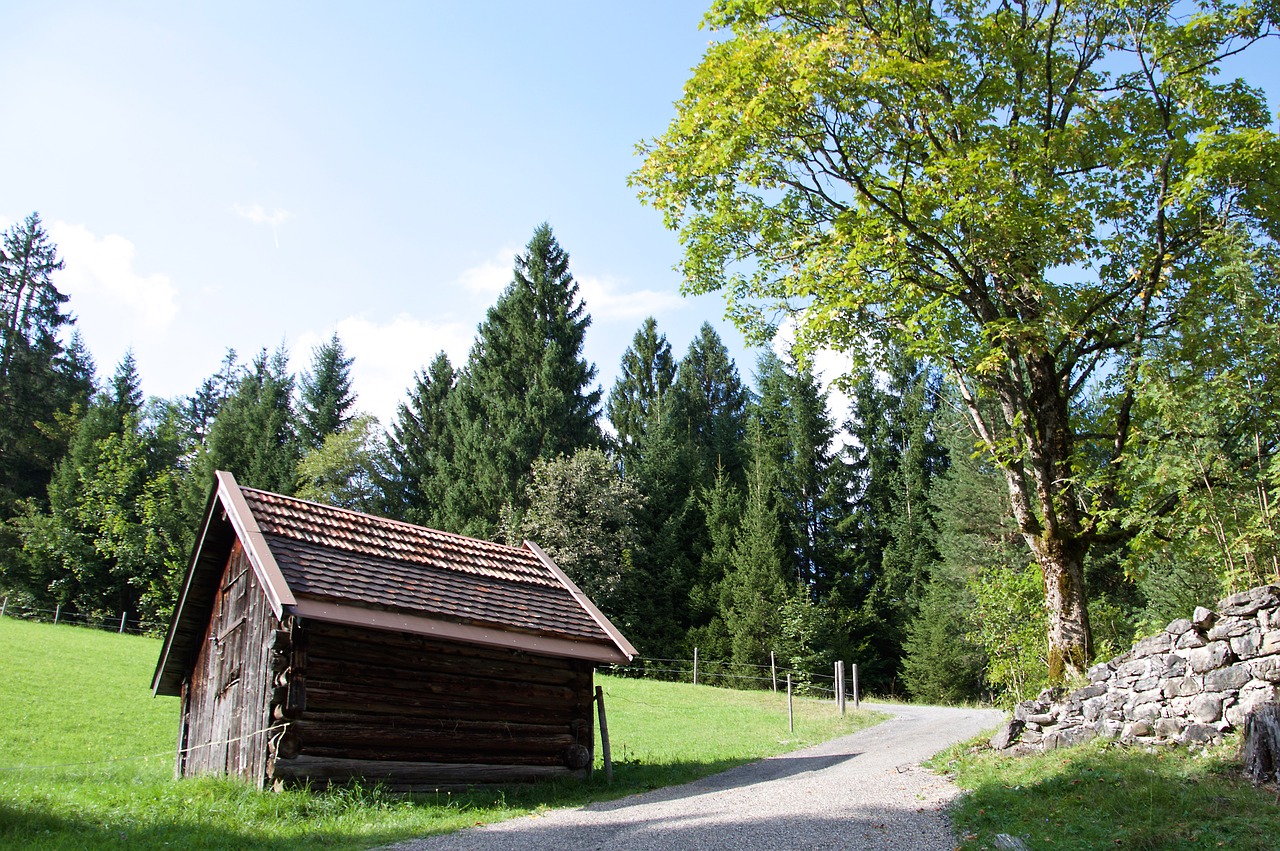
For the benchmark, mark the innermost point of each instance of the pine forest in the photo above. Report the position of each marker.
(701, 503)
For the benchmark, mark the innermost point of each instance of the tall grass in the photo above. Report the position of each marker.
(86, 757)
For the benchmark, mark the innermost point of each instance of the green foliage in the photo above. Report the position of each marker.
(42, 380)
(349, 469)
(1106, 796)
(708, 406)
(1018, 193)
(421, 447)
(326, 397)
(524, 393)
(1204, 472)
(640, 392)
(941, 663)
(1009, 625)
(115, 535)
(584, 514)
(253, 436)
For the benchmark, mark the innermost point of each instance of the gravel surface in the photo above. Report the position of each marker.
(865, 790)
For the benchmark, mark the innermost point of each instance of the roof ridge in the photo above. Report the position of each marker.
(364, 515)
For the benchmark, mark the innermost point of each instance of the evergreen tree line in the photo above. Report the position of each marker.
(695, 510)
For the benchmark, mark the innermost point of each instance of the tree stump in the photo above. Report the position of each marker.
(1260, 747)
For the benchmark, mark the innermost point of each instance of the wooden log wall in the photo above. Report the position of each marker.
(415, 713)
(225, 710)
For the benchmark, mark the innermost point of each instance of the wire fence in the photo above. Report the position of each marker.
(729, 674)
(122, 622)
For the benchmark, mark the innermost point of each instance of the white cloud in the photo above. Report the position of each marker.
(490, 277)
(607, 302)
(259, 216)
(387, 355)
(101, 269)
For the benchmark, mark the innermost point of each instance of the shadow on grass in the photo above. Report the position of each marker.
(29, 827)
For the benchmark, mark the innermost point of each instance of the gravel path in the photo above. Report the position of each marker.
(865, 790)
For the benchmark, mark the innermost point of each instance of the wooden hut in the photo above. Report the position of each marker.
(315, 644)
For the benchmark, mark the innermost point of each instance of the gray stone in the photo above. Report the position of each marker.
(1206, 708)
(1160, 643)
(1211, 656)
(1145, 712)
(1094, 707)
(1203, 618)
(1135, 729)
(1179, 626)
(1027, 708)
(1094, 690)
(1181, 687)
(1231, 628)
(1190, 640)
(1109, 729)
(1201, 734)
(1231, 677)
(1133, 670)
(1270, 643)
(1267, 668)
(1174, 665)
(1169, 728)
(1100, 672)
(1247, 646)
(1147, 683)
(1005, 842)
(1006, 735)
(1247, 602)
(1154, 695)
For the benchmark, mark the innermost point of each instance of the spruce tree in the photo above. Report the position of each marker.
(525, 392)
(639, 394)
(253, 436)
(421, 447)
(42, 381)
(794, 438)
(708, 405)
(325, 398)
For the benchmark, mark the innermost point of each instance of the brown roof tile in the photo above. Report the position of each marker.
(328, 553)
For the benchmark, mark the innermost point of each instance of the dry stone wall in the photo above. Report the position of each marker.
(1189, 684)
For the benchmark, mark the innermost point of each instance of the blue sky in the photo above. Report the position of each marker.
(245, 175)
(249, 174)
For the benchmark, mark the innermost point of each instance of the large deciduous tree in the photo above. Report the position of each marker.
(1019, 191)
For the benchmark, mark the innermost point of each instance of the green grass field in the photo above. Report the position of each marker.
(1108, 796)
(86, 757)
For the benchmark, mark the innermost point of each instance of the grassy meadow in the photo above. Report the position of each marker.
(86, 757)
(1105, 795)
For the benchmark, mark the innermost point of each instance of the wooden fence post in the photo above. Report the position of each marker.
(773, 667)
(57, 613)
(695, 666)
(791, 718)
(604, 735)
(855, 686)
(5, 605)
(842, 692)
(123, 615)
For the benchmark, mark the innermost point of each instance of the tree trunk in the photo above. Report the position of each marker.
(1070, 637)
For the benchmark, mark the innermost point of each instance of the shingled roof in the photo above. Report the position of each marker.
(330, 564)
